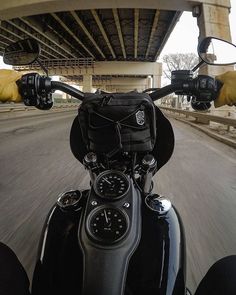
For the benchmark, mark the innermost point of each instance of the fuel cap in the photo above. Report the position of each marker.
(159, 204)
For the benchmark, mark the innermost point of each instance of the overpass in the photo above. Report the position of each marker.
(108, 44)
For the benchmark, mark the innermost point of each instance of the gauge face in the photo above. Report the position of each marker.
(108, 225)
(111, 185)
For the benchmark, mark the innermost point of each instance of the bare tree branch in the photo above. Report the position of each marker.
(178, 61)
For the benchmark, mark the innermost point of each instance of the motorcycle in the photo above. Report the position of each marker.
(118, 237)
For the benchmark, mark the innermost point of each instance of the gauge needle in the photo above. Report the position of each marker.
(107, 221)
(107, 180)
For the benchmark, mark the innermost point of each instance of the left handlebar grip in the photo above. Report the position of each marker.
(35, 90)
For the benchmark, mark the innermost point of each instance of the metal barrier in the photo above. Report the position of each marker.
(59, 64)
(21, 107)
(204, 118)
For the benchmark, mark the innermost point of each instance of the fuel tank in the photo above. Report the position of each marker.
(156, 267)
(59, 266)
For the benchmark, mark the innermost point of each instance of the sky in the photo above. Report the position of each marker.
(187, 28)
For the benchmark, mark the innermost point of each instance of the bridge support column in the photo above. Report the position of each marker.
(87, 83)
(149, 82)
(156, 82)
(213, 20)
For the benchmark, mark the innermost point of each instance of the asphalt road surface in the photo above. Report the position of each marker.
(36, 165)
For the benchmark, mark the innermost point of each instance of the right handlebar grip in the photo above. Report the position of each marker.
(206, 88)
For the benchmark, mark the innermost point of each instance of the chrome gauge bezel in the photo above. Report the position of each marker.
(163, 204)
(107, 173)
(96, 238)
(73, 203)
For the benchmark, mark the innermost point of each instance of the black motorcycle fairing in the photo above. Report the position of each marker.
(162, 151)
(165, 141)
(77, 145)
(106, 264)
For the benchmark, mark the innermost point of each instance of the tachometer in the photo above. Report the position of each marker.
(111, 184)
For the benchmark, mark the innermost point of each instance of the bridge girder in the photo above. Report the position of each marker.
(47, 35)
(104, 34)
(106, 30)
(109, 34)
(11, 8)
(80, 23)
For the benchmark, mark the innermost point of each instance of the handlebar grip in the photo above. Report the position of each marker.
(219, 85)
(205, 88)
(27, 87)
(36, 90)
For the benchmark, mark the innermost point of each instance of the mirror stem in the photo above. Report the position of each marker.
(198, 65)
(43, 67)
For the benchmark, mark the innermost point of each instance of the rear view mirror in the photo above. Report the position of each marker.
(215, 51)
(22, 52)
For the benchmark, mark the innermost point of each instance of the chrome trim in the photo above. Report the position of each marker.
(69, 199)
(159, 204)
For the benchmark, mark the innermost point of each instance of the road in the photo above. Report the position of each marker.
(36, 165)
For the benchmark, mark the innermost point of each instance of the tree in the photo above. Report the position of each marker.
(178, 61)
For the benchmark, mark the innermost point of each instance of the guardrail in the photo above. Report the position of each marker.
(21, 107)
(204, 118)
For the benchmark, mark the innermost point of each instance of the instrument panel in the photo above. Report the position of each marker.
(108, 221)
(111, 185)
(107, 224)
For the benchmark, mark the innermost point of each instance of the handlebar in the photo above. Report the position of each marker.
(37, 90)
(161, 92)
(67, 89)
(202, 89)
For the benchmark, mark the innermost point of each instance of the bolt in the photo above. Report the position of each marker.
(126, 205)
(94, 203)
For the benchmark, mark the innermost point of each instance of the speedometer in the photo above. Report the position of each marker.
(108, 224)
(111, 184)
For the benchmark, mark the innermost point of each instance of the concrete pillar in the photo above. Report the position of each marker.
(87, 83)
(149, 82)
(156, 82)
(68, 97)
(213, 20)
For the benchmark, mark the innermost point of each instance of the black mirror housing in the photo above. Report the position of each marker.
(22, 52)
(215, 51)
